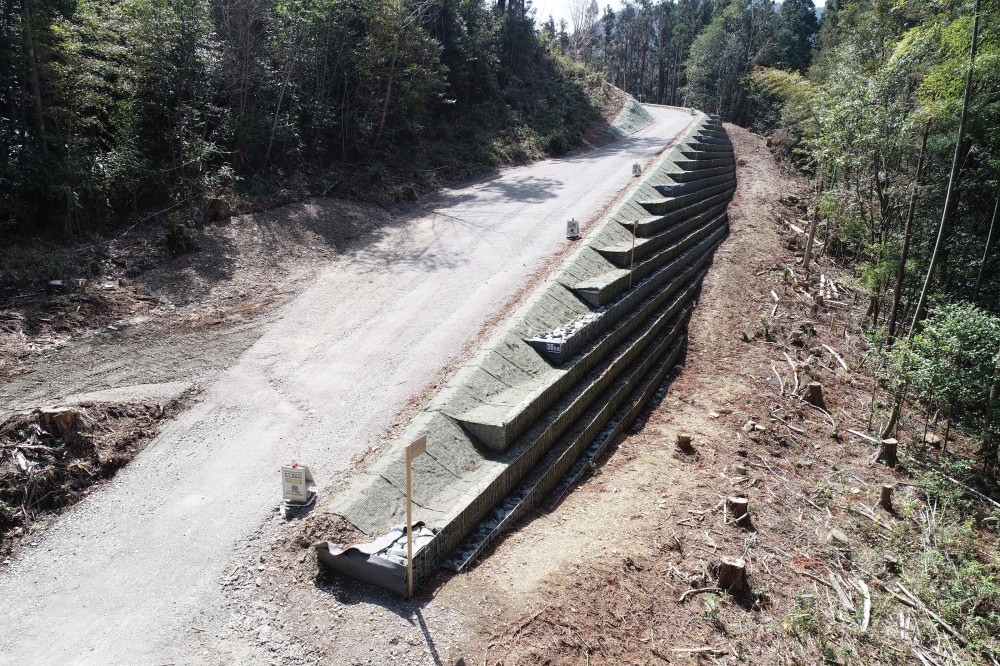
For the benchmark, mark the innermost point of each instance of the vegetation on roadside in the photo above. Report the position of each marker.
(113, 112)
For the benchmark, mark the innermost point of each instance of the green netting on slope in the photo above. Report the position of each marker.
(630, 120)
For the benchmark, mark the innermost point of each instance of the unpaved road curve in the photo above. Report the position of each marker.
(120, 576)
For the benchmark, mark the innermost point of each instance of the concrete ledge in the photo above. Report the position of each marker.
(713, 140)
(603, 290)
(693, 186)
(623, 255)
(699, 146)
(706, 163)
(573, 338)
(700, 173)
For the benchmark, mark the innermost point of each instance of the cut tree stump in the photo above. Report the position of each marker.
(684, 442)
(732, 574)
(887, 452)
(61, 422)
(739, 507)
(814, 395)
(885, 498)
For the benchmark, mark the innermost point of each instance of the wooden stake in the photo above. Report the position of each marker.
(412, 451)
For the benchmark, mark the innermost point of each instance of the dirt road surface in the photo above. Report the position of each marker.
(123, 575)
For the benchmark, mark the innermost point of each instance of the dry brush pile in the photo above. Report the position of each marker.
(49, 458)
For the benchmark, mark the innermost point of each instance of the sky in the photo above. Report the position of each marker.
(559, 9)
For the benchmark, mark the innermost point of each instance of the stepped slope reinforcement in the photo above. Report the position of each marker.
(566, 372)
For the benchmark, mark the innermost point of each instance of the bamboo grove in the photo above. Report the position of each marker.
(114, 110)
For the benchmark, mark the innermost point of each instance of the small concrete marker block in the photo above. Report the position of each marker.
(572, 229)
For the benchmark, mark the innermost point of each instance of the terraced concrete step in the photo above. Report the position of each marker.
(662, 207)
(605, 288)
(647, 226)
(560, 345)
(697, 184)
(718, 133)
(624, 253)
(713, 140)
(700, 173)
(589, 435)
(704, 163)
(507, 415)
(697, 146)
(693, 153)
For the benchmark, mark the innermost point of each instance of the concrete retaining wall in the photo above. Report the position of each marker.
(569, 369)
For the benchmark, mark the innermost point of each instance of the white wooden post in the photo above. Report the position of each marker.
(412, 451)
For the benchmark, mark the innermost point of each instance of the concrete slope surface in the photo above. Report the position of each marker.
(122, 575)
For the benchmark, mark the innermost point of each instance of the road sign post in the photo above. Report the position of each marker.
(413, 450)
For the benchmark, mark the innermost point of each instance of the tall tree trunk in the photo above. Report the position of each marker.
(949, 194)
(907, 234)
(281, 97)
(986, 251)
(36, 88)
(989, 448)
(388, 90)
(673, 87)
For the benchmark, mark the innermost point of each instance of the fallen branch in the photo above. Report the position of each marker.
(701, 650)
(863, 436)
(697, 590)
(815, 578)
(837, 356)
(963, 641)
(866, 618)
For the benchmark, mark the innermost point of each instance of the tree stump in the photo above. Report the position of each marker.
(887, 452)
(814, 395)
(63, 423)
(684, 442)
(218, 209)
(732, 574)
(739, 507)
(885, 498)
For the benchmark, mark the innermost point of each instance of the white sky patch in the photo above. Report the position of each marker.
(559, 9)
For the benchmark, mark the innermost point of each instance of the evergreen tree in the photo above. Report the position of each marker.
(797, 34)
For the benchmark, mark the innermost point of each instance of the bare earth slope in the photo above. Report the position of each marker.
(125, 574)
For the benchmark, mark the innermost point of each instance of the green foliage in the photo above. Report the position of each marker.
(796, 34)
(952, 363)
(725, 54)
(145, 105)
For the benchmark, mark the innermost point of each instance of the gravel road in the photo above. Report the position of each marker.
(123, 575)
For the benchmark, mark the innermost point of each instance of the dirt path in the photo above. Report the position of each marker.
(133, 573)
